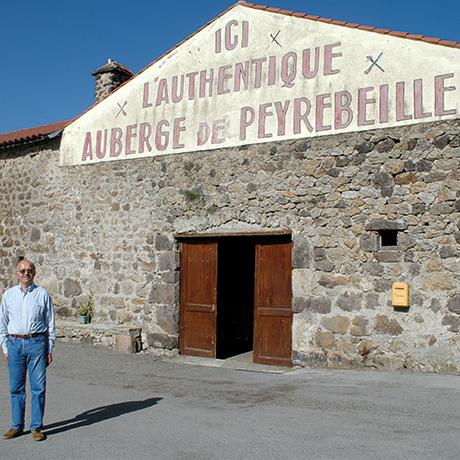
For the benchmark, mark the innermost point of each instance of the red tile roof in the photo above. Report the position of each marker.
(395, 33)
(41, 131)
(31, 134)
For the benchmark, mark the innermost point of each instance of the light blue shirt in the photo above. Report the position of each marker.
(26, 312)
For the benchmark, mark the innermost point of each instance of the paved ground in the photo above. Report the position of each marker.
(106, 405)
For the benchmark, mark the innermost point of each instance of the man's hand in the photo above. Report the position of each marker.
(49, 359)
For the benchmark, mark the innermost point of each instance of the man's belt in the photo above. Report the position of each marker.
(27, 336)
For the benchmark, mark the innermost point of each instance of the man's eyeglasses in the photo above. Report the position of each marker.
(24, 271)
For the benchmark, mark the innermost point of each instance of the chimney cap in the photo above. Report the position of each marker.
(113, 66)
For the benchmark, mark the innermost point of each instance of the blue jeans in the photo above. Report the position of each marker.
(27, 355)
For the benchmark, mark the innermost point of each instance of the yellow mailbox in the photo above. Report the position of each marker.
(400, 294)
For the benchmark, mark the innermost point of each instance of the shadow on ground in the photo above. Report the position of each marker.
(99, 414)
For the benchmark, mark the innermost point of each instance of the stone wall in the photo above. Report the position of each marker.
(107, 229)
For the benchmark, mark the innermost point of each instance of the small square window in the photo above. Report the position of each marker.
(388, 238)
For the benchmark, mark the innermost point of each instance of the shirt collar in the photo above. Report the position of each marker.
(29, 288)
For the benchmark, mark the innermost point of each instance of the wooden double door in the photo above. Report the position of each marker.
(235, 296)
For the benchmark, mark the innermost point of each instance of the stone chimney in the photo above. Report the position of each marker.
(109, 77)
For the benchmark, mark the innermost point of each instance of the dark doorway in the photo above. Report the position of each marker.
(235, 296)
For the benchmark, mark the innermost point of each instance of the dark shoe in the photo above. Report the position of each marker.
(38, 435)
(12, 433)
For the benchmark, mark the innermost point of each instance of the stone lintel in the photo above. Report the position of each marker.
(383, 224)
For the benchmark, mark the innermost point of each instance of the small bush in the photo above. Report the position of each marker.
(87, 308)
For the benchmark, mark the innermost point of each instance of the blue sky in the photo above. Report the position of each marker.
(49, 48)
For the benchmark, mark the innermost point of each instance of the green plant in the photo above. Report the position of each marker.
(191, 195)
(87, 308)
(212, 209)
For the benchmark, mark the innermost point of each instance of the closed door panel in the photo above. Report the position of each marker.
(273, 304)
(198, 298)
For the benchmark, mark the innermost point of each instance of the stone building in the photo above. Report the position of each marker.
(262, 186)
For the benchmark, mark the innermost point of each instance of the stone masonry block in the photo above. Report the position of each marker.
(124, 343)
(453, 304)
(163, 243)
(301, 253)
(72, 288)
(368, 243)
(336, 324)
(385, 325)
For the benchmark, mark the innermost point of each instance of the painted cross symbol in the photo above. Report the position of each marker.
(374, 63)
(121, 107)
(274, 39)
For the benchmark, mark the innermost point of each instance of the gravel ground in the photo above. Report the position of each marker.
(106, 405)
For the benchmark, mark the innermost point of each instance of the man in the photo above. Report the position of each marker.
(27, 337)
